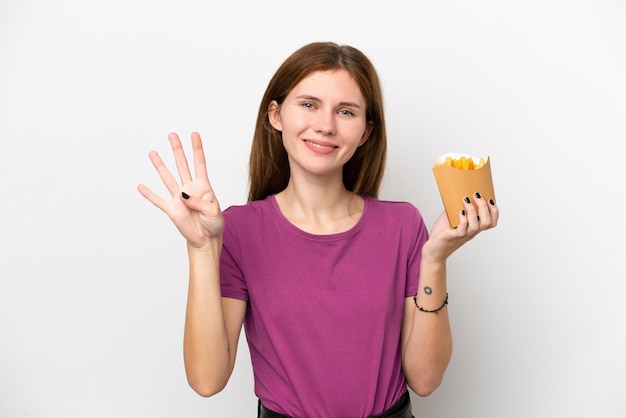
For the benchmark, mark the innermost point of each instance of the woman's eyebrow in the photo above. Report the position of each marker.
(317, 99)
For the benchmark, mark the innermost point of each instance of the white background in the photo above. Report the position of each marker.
(93, 277)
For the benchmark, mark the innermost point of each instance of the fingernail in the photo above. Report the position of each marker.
(477, 195)
(463, 212)
(491, 202)
(184, 195)
(478, 218)
(467, 200)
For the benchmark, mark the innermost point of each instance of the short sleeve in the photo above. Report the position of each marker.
(419, 234)
(232, 279)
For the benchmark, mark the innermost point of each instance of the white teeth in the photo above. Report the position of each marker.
(319, 145)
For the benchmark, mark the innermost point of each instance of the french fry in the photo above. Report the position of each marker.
(463, 163)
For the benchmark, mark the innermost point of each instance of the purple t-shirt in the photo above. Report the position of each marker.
(324, 311)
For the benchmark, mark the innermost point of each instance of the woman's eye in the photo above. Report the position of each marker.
(346, 112)
(308, 105)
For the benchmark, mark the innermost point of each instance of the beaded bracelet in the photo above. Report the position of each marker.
(435, 311)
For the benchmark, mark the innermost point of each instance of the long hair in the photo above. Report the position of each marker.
(269, 164)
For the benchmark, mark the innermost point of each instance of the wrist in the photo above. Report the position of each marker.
(431, 254)
(435, 310)
(211, 246)
(433, 268)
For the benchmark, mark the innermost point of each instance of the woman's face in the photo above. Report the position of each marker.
(323, 122)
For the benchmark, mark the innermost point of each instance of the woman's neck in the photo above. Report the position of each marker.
(320, 209)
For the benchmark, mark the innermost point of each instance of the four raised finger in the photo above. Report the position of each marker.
(155, 199)
(165, 174)
(179, 157)
(199, 161)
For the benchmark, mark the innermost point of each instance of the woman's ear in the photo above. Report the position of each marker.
(273, 114)
(369, 127)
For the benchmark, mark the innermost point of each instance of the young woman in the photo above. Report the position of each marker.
(343, 295)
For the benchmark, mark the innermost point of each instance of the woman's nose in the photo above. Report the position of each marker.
(325, 123)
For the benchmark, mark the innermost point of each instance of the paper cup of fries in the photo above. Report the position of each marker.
(459, 176)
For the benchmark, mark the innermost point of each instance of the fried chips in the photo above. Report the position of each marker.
(463, 163)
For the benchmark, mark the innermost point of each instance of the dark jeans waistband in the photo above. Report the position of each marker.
(401, 409)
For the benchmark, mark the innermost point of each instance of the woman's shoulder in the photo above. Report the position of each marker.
(392, 207)
(249, 210)
(396, 215)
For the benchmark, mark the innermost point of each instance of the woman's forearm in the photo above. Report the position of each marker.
(208, 361)
(428, 338)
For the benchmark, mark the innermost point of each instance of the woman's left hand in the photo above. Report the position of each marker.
(445, 240)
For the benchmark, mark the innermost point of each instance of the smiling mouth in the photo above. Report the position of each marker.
(321, 146)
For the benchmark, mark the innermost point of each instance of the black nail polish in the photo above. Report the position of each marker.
(477, 195)
(491, 202)
(478, 218)
(467, 200)
(463, 212)
(184, 195)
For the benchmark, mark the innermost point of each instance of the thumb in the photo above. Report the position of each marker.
(202, 205)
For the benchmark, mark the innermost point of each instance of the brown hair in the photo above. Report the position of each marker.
(269, 165)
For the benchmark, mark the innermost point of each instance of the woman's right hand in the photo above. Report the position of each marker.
(194, 209)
